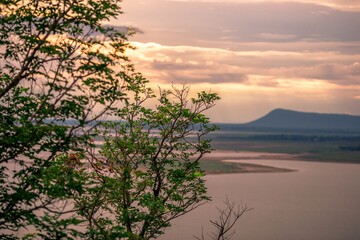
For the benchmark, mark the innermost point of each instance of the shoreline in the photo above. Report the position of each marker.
(220, 162)
(248, 168)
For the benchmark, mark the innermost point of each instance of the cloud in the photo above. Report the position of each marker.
(226, 24)
(195, 72)
(256, 81)
(262, 68)
(346, 5)
(341, 74)
(209, 78)
(259, 55)
(272, 36)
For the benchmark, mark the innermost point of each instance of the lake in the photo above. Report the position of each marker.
(319, 201)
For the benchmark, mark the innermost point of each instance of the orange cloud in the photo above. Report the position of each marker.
(215, 65)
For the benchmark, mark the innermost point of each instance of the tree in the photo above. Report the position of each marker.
(147, 172)
(59, 64)
(62, 72)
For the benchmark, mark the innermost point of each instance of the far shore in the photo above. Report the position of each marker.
(220, 162)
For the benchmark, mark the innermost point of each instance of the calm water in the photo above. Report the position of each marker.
(320, 201)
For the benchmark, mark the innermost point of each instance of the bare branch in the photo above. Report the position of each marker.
(226, 220)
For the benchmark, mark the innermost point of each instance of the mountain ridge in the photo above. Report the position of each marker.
(289, 119)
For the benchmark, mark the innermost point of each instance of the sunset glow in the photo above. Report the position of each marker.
(258, 55)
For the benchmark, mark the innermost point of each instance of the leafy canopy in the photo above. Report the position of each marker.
(59, 62)
(147, 172)
(62, 71)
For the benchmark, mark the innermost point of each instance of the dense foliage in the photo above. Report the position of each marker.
(58, 62)
(147, 172)
(62, 71)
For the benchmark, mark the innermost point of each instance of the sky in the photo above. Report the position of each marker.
(257, 55)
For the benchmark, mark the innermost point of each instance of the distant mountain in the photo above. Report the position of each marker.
(288, 119)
